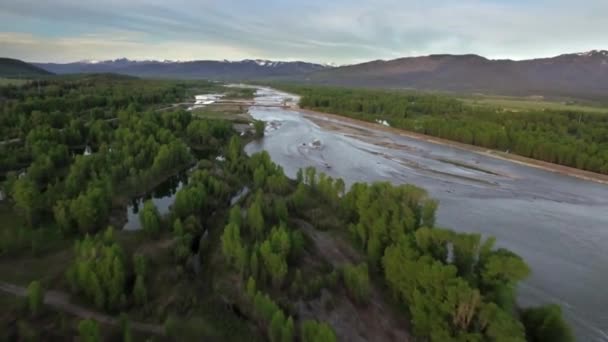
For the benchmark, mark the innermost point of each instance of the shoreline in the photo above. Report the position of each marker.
(517, 159)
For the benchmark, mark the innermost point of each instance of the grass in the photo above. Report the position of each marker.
(49, 268)
(30, 254)
(532, 103)
(223, 112)
(12, 81)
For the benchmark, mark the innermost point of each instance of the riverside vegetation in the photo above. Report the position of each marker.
(570, 137)
(214, 270)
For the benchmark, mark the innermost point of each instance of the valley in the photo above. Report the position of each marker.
(176, 221)
(535, 212)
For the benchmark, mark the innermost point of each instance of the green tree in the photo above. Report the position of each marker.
(189, 200)
(150, 218)
(255, 219)
(125, 326)
(356, 279)
(35, 297)
(275, 330)
(251, 288)
(274, 263)
(139, 264)
(27, 200)
(139, 291)
(235, 215)
(313, 331)
(428, 213)
(231, 243)
(259, 126)
(88, 331)
(546, 323)
(287, 334)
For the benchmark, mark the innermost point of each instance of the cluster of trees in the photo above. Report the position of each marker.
(356, 280)
(150, 218)
(267, 175)
(48, 125)
(100, 273)
(566, 137)
(183, 235)
(545, 324)
(313, 189)
(258, 243)
(208, 133)
(279, 326)
(269, 315)
(315, 331)
(454, 285)
(253, 249)
(88, 331)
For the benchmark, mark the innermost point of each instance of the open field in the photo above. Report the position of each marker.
(532, 103)
(9, 81)
(220, 111)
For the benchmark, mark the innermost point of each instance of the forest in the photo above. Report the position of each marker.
(572, 138)
(244, 253)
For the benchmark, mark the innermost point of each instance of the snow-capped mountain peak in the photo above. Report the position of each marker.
(594, 53)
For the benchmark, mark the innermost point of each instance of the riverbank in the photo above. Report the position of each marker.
(320, 118)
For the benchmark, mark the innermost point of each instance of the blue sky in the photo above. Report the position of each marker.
(327, 31)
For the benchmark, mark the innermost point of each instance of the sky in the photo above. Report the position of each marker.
(324, 31)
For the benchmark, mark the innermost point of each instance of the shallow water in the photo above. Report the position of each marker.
(557, 223)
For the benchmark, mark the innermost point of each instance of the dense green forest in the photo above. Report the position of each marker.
(567, 137)
(218, 266)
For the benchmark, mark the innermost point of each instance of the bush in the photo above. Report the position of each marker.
(356, 280)
(546, 324)
(35, 297)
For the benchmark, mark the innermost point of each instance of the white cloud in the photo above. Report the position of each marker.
(339, 31)
(109, 46)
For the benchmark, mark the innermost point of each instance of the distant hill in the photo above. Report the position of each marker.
(580, 74)
(15, 68)
(219, 70)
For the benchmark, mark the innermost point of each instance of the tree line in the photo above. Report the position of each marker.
(565, 137)
(455, 286)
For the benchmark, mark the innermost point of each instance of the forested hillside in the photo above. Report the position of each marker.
(15, 68)
(579, 75)
(567, 137)
(242, 253)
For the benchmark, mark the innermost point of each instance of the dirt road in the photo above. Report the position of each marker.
(61, 301)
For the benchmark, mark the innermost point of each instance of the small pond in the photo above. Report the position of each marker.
(162, 196)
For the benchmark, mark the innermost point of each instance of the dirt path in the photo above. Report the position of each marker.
(376, 321)
(61, 301)
(539, 164)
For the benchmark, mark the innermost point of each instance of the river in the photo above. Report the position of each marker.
(557, 223)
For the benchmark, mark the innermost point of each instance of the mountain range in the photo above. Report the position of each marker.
(568, 75)
(579, 74)
(218, 70)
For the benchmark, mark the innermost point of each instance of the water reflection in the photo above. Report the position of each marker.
(162, 196)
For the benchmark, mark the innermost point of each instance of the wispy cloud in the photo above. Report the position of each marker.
(339, 31)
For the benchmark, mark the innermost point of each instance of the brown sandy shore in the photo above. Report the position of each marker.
(560, 169)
